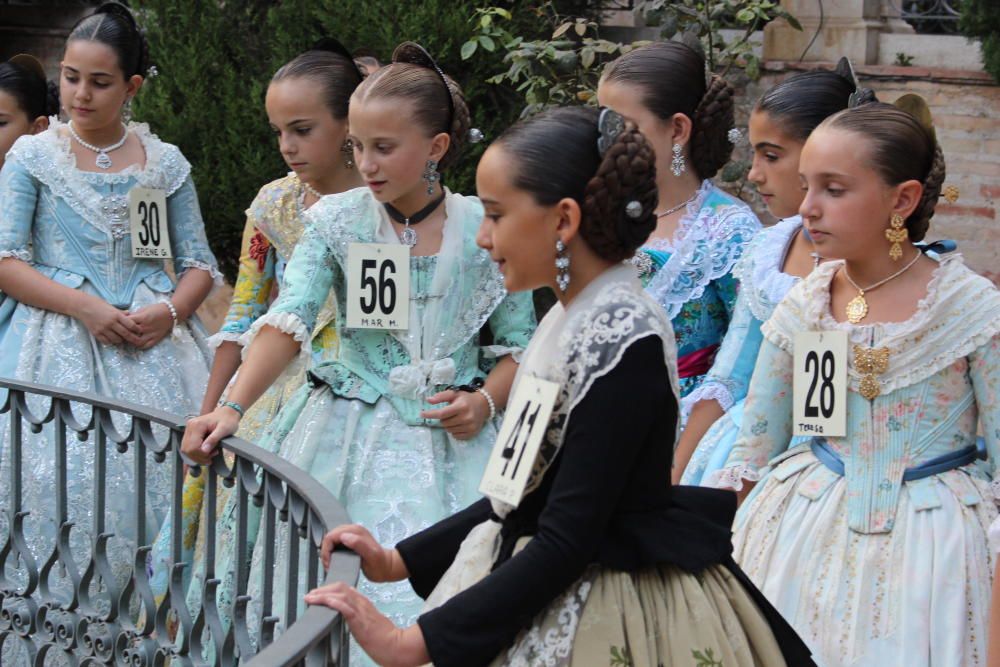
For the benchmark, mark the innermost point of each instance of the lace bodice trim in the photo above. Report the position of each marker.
(959, 314)
(759, 270)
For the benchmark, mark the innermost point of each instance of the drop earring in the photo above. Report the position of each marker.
(677, 164)
(896, 234)
(347, 148)
(562, 266)
(431, 175)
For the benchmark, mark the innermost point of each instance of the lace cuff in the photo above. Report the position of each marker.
(709, 390)
(213, 270)
(22, 254)
(497, 351)
(289, 323)
(223, 337)
(732, 478)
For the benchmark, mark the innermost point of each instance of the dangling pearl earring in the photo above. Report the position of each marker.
(562, 266)
(347, 148)
(677, 164)
(431, 175)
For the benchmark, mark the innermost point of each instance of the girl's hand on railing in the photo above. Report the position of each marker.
(385, 643)
(203, 434)
(378, 563)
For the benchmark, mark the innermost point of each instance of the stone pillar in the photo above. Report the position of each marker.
(848, 28)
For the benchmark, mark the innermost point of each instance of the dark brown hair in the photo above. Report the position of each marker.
(330, 65)
(113, 25)
(438, 103)
(671, 77)
(603, 186)
(23, 78)
(899, 149)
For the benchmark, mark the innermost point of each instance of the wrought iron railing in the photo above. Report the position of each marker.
(60, 599)
(929, 16)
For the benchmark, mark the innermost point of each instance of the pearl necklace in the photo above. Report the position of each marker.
(857, 308)
(311, 190)
(103, 160)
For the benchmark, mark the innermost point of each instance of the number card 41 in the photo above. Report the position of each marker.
(819, 383)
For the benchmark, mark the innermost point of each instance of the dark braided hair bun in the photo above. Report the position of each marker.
(713, 118)
(557, 157)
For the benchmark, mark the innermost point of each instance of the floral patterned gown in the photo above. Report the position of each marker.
(691, 276)
(871, 563)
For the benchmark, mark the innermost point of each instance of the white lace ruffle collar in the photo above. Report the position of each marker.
(959, 314)
(708, 242)
(47, 157)
(759, 270)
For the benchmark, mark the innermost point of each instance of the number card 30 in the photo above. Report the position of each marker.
(147, 214)
(819, 384)
(520, 437)
(378, 286)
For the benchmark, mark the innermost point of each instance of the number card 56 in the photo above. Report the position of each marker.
(378, 286)
(819, 383)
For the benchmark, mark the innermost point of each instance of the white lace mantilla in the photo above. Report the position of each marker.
(960, 313)
(572, 347)
(704, 249)
(47, 157)
(759, 270)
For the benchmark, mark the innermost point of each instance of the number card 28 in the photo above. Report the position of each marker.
(378, 286)
(819, 383)
(520, 437)
(147, 214)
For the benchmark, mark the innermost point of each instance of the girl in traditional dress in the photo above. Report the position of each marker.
(399, 425)
(701, 231)
(306, 105)
(600, 562)
(775, 260)
(26, 100)
(874, 544)
(78, 310)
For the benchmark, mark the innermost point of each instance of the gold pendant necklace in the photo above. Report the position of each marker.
(857, 308)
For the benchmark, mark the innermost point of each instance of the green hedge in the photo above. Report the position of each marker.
(980, 19)
(215, 58)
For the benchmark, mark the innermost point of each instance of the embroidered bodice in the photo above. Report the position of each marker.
(452, 295)
(762, 287)
(943, 375)
(691, 275)
(72, 225)
(275, 222)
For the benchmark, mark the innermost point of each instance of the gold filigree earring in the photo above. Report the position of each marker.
(896, 234)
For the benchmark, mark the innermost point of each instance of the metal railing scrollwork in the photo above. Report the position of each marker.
(76, 579)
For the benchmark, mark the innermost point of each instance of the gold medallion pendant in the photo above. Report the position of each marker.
(857, 309)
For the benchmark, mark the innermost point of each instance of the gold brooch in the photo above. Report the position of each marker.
(870, 361)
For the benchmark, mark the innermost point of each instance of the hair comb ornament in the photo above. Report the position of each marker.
(917, 107)
(28, 62)
(414, 54)
(609, 125)
(845, 69)
(335, 46)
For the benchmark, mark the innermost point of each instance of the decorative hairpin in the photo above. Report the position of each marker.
(609, 125)
(152, 72)
(734, 135)
(475, 135)
(633, 209)
(950, 194)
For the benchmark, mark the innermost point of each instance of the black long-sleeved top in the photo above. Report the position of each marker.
(606, 499)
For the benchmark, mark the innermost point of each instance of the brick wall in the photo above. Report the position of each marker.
(966, 109)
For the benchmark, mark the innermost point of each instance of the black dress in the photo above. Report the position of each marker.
(606, 501)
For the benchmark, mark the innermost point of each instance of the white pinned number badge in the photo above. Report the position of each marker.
(520, 437)
(819, 384)
(147, 214)
(378, 286)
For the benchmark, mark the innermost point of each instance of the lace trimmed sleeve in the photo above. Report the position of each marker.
(18, 198)
(767, 420)
(309, 278)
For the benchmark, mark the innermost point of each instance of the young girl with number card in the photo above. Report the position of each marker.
(400, 424)
(775, 260)
(590, 559)
(870, 534)
(306, 106)
(26, 100)
(89, 210)
(700, 231)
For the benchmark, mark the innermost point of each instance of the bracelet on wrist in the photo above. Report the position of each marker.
(489, 400)
(170, 306)
(234, 405)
